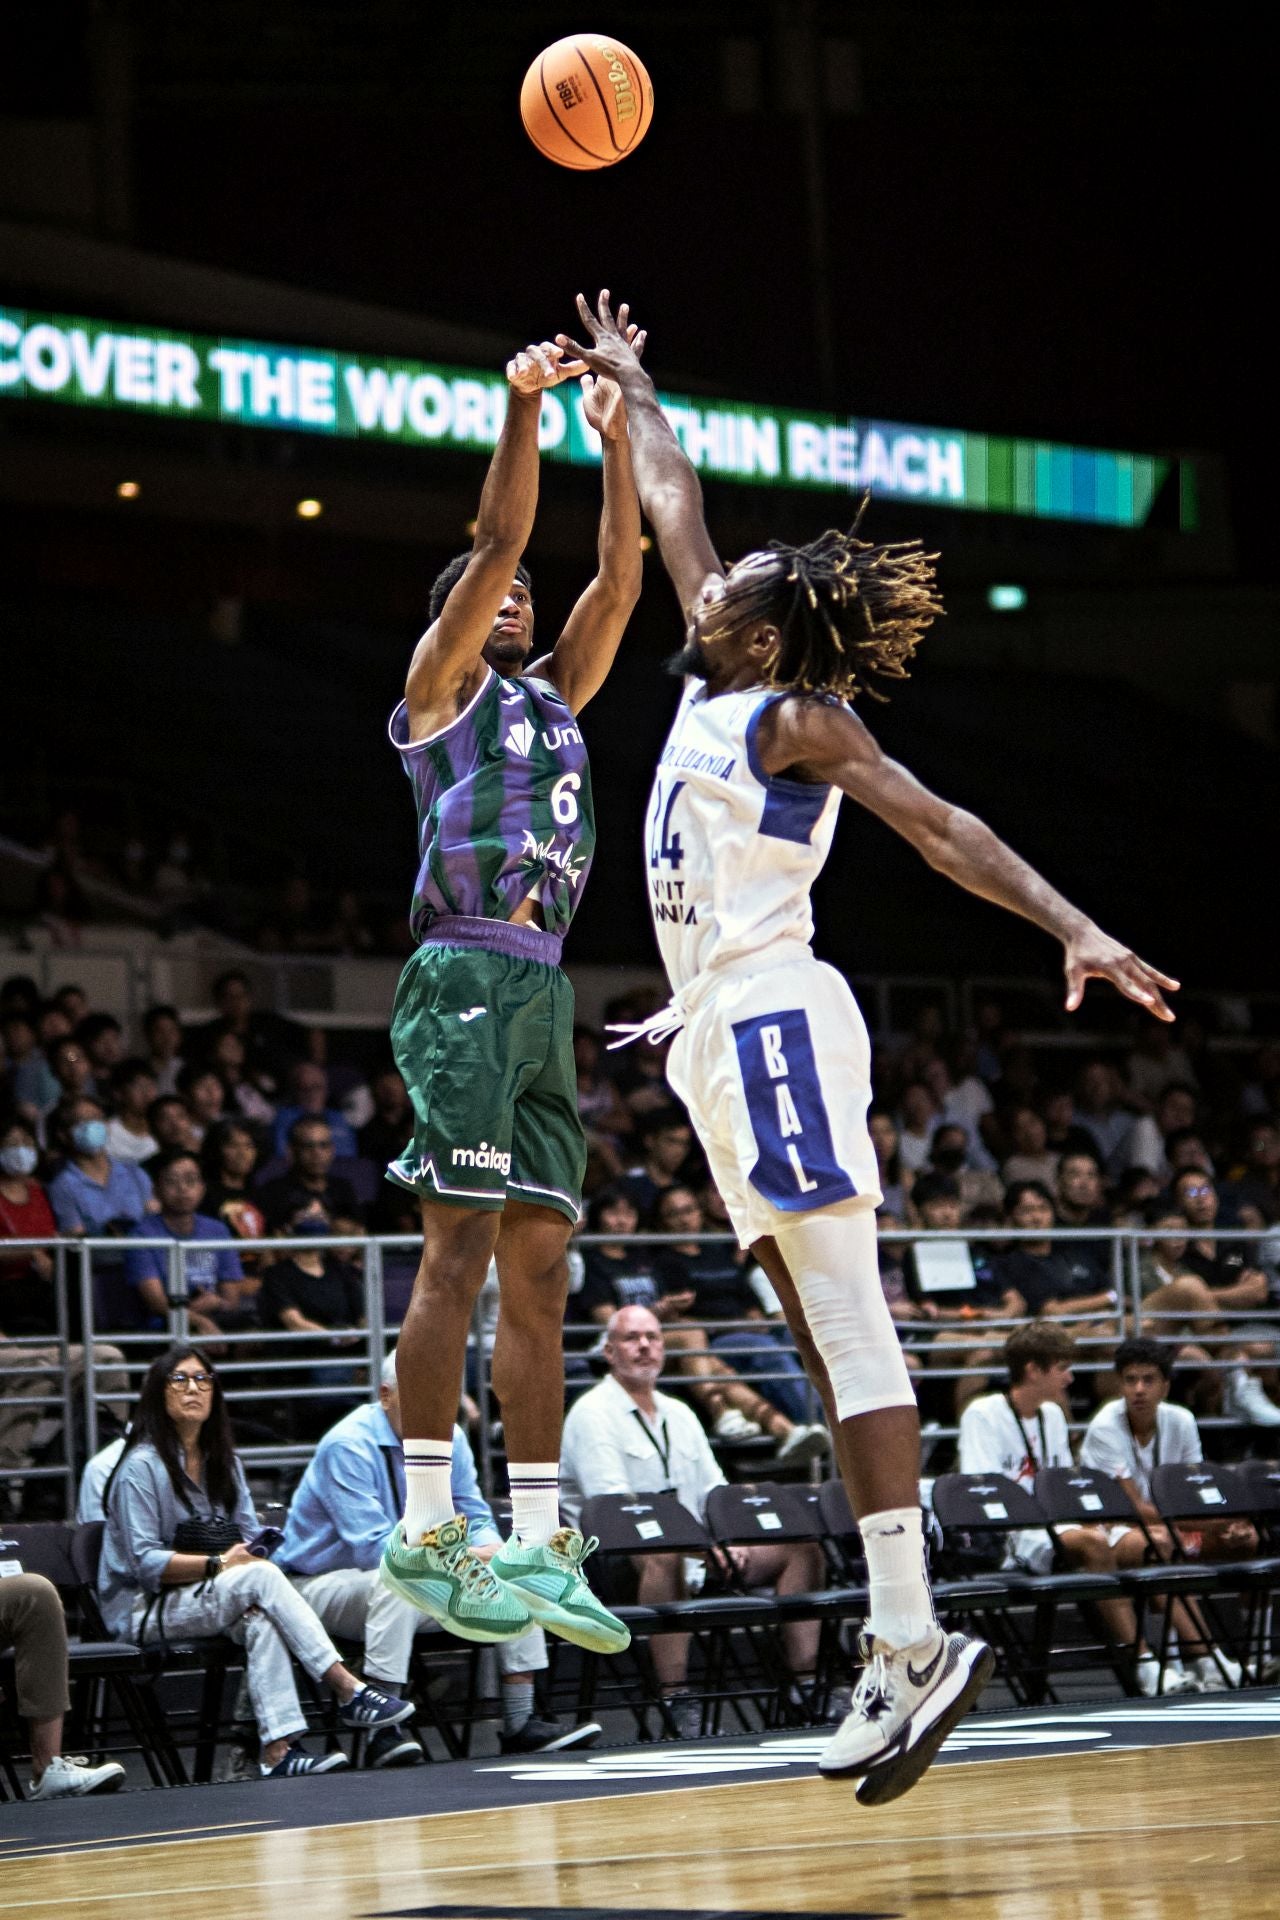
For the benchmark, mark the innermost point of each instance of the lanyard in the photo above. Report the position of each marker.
(661, 1447)
(1044, 1443)
(1140, 1470)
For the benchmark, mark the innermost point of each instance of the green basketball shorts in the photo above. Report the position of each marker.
(484, 1042)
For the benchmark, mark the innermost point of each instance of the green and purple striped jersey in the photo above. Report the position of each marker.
(504, 806)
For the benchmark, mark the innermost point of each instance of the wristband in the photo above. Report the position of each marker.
(213, 1566)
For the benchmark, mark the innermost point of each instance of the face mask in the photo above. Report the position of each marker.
(309, 1226)
(949, 1159)
(19, 1160)
(90, 1136)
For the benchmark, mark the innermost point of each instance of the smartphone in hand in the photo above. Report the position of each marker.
(265, 1542)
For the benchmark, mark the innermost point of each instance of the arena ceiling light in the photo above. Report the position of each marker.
(309, 509)
(1006, 599)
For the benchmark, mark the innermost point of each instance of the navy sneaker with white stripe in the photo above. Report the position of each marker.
(297, 1761)
(371, 1708)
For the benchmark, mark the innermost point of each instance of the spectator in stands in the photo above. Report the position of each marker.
(61, 905)
(1129, 1437)
(1225, 1266)
(52, 1024)
(308, 1177)
(919, 1115)
(1187, 1152)
(1175, 1110)
(349, 1499)
(102, 1037)
(309, 1090)
(1100, 1110)
(1031, 1158)
(202, 1089)
(1160, 1260)
(387, 1133)
(1023, 1429)
(1133, 1194)
(93, 1194)
(170, 1124)
(1051, 1279)
(69, 1064)
(19, 993)
(895, 1180)
(27, 1303)
(1257, 1181)
(133, 1088)
(239, 1095)
(1157, 1062)
(271, 1042)
(623, 1436)
(180, 1465)
(717, 1277)
(33, 1624)
(620, 1273)
(1080, 1202)
(312, 1290)
(28, 1079)
(162, 1031)
(1062, 1132)
(950, 1155)
(966, 1098)
(666, 1142)
(601, 1108)
(72, 1003)
(214, 1274)
(228, 1158)
(954, 1289)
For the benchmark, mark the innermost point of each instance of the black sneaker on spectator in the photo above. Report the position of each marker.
(241, 1762)
(686, 1711)
(549, 1736)
(370, 1707)
(298, 1761)
(68, 1774)
(388, 1747)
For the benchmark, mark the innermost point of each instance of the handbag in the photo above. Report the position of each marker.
(192, 1535)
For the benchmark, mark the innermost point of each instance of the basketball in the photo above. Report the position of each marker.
(586, 102)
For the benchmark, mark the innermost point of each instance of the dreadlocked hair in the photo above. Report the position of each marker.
(848, 611)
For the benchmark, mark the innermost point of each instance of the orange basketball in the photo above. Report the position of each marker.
(586, 102)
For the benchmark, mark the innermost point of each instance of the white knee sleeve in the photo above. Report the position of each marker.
(832, 1261)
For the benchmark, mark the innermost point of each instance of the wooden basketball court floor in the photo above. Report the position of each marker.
(1186, 1829)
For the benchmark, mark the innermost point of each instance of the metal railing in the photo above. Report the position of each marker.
(258, 1364)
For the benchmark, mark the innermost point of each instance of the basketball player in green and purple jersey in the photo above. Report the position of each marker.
(482, 1027)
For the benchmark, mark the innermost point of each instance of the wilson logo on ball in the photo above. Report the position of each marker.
(586, 102)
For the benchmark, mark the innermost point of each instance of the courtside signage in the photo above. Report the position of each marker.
(94, 363)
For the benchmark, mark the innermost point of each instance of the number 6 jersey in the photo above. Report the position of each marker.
(504, 804)
(731, 852)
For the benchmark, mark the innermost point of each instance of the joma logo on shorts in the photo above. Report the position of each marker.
(482, 1156)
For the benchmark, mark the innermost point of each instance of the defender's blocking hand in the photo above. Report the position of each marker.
(602, 401)
(611, 351)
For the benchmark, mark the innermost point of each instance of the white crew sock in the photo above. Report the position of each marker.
(535, 1501)
(427, 1484)
(901, 1611)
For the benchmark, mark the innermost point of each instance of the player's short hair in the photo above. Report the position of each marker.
(848, 611)
(1143, 1353)
(448, 577)
(1041, 1344)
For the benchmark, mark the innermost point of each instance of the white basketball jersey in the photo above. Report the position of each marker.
(732, 852)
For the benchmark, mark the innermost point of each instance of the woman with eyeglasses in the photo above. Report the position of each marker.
(157, 1581)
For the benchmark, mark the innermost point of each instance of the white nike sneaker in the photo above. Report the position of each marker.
(904, 1706)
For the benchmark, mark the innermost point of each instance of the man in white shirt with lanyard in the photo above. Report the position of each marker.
(623, 1436)
(1128, 1438)
(1022, 1429)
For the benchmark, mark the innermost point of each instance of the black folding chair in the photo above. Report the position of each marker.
(100, 1670)
(1185, 1495)
(976, 1510)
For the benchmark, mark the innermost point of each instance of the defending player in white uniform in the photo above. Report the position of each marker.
(772, 1058)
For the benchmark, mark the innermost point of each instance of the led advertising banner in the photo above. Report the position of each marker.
(93, 363)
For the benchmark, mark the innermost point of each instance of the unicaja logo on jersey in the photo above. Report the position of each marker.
(482, 1156)
(520, 738)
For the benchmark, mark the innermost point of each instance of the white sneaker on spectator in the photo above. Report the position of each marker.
(1215, 1673)
(66, 1775)
(801, 1444)
(733, 1425)
(1245, 1399)
(1173, 1680)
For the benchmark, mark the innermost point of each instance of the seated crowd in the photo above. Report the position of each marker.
(245, 1127)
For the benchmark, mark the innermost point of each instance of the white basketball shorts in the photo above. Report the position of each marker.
(774, 1066)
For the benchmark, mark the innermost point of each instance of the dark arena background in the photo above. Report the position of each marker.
(261, 269)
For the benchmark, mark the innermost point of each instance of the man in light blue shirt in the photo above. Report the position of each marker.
(349, 1499)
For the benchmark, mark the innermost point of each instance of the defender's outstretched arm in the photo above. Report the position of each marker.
(822, 742)
(448, 655)
(670, 492)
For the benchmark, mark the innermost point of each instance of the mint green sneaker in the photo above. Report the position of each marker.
(447, 1579)
(550, 1583)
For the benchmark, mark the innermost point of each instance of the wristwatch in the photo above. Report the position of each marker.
(213, 1566)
